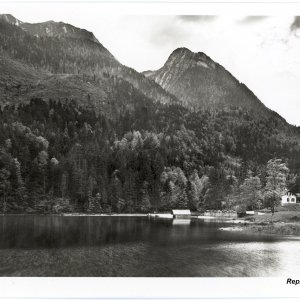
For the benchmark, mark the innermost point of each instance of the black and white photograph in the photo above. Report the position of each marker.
(148, 145)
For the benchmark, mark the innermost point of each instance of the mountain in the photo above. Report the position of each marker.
(58, 48)
(44, 45)
(199, 82)
(81, 132)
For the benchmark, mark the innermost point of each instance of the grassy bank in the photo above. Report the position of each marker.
(275, 228)
(283, 222)
(280, 216)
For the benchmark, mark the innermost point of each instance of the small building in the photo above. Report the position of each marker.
(181, 213)
(250, 212)
(290, 198)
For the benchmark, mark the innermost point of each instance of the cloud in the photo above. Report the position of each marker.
(176, 30)
(296, 24)
(196, 18)
(168, 34)
(252, 19)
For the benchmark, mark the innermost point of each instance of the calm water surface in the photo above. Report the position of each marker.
(137, 246)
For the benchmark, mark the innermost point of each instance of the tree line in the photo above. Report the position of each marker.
(63, 157)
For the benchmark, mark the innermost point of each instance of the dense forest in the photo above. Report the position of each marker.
(63, 157)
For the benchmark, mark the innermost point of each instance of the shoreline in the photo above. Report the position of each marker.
(151, 215)
(278, 229)
(77, 215)
(102, 215)
(262, 226)
(283, 229)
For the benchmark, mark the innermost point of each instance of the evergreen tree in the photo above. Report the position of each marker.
(5, 186)
(20, 189)
(145, 203)
(192, 195)
(64, 184)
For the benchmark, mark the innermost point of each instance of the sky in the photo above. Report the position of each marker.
(261, 51)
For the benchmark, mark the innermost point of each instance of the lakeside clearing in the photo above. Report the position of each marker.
(275, 228)
(279, 216)
(281, 223)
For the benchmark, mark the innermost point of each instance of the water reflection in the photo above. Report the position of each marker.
(120, 246)
(181, 222)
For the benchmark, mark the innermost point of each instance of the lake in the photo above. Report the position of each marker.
(138, 246)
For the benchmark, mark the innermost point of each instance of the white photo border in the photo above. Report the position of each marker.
(156, 288)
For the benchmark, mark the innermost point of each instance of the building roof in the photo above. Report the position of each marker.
(181, 212)
(288, 192)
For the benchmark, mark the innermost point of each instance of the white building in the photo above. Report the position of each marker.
(181, 213)
(289, 198)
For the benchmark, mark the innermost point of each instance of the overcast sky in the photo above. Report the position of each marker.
(263, 52)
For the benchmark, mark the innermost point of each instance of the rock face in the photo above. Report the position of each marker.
(10, 19)
(198, 81)
(50, 28)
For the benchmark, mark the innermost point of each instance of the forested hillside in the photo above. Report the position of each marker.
(80, 132)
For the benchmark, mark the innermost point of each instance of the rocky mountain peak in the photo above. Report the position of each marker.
(191, 59)
(180, 51)
(50, 29)
(10, 19)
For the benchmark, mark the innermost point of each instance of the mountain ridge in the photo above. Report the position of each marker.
(62, 53)
(50, 28)
(190, 78)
